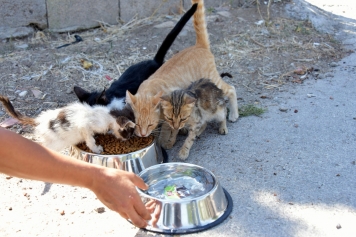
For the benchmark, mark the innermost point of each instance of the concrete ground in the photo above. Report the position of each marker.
(290, 172)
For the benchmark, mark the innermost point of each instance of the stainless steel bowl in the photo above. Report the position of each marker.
(134, 162)
(184, 198)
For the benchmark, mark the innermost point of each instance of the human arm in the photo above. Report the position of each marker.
(23, 158)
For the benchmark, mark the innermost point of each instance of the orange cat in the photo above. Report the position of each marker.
(179, 72)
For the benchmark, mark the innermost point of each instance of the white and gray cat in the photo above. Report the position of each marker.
(192, 108)
(76, 123)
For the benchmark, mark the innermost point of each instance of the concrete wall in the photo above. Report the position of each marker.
(19, 17)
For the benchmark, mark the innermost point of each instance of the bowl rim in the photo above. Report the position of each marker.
(212, 190)
(116, 155)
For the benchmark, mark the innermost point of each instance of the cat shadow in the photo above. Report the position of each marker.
(46, 188)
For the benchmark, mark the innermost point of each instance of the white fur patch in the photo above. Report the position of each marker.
(117, 103)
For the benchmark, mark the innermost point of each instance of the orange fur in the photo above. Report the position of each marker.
(179, 72)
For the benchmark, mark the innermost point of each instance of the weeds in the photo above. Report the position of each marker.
(248, 110)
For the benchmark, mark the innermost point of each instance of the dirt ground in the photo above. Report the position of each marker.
(264, 58)
(261, 56)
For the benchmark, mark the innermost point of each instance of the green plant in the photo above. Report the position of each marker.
(248, 110)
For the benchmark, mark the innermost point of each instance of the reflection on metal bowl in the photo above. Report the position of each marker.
(183, 198)
(134, 162)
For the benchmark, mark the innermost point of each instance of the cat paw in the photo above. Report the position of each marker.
(97, 149)
(223, 131)
(183, 154)
(233, 117)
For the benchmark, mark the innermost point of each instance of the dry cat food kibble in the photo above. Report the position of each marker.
(113, 146)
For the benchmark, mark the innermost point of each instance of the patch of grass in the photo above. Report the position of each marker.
(210, 10)
(248, 110)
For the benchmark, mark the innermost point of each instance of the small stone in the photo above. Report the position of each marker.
(21, 46)
(329, 74)
(295, 111)
(100, 209)
(62, 213)
(23, 93)
(10, 208)
(9, 177)
(69, 91)
(310, 95)
(212, 18)
(283, 109)
(224, 14)
(37, 93)
(333, 64)
(338, 226)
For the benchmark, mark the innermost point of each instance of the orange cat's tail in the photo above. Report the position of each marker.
(17, 115)
(200, 25)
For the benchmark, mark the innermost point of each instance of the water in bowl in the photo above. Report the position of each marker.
(178, 188)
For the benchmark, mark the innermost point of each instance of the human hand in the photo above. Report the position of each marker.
(117, 190)
(155, 207)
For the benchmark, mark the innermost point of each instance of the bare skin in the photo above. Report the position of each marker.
(116, 189)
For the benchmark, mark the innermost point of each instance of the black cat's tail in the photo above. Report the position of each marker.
(16, 114)
(168, 41)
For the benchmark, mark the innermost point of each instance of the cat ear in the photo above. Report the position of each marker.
(101, 99)
(125, 122)
(81, 93)
(131, 99)
(157, 98)
(189, 98)
(165, 98)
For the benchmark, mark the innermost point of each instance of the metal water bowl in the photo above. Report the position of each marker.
(184, 198)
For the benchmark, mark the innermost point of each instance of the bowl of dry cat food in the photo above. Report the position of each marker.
(134, 154)
(183, 198)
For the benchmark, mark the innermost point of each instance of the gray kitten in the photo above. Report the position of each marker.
(192, 108)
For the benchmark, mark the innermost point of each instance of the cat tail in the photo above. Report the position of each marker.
(200, 25)
(168, 41)
(17, 115)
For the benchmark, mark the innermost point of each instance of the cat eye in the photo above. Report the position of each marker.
(183, 119)
(170, 119)
(150, 125)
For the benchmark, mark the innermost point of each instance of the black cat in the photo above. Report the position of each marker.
(132, 78)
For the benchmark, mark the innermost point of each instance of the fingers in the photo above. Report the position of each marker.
(139, 182)
(151, 206)
(137, 220)
(141, 210)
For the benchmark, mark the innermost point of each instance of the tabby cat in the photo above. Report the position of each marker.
(76, 123)
(193, 108)
(132, 78)
(179, 72)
